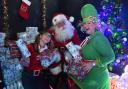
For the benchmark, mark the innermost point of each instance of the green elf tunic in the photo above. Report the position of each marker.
(99, 49)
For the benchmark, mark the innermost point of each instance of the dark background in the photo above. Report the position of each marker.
(68, 7)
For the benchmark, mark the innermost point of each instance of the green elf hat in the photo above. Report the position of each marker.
(89, 13)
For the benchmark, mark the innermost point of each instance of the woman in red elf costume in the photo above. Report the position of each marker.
(34, 74)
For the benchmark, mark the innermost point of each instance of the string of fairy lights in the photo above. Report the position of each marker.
(5, 16)
(43, 8)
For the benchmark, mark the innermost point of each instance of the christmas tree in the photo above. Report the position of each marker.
(112, 26)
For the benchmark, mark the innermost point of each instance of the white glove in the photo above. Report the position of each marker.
(68, 57)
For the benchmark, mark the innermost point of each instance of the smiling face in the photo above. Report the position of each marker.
(61, 24)
(64, 31)
(44, 39)
(89, 27)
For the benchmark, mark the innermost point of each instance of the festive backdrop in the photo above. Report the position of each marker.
(113, 15)
(15, 16)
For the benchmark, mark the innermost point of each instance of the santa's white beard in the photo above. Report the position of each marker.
(64, 34)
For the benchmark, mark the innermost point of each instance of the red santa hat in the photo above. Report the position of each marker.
(61, 17)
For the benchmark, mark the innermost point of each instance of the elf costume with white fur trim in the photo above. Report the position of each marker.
(61, 44)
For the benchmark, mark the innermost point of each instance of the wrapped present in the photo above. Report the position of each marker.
(29, 35)
(74, 51)
(79, 69)
(23, 36)
(32, 32)
(23, 48)
(48, 57)
(14, 50)
(12, 70)
(2, 37)
(2, 52)
(10, 66)
(16, 85)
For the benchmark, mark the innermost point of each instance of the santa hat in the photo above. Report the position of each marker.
(61, 17)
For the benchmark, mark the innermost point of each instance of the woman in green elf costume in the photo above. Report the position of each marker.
(97, 48)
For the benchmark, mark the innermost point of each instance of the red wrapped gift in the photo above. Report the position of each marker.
(79, 69)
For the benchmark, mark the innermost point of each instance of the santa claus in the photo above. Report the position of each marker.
(63, 32)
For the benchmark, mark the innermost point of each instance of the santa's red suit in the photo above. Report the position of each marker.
(62, 33)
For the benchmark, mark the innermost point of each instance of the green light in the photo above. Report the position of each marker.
(115, 34)
(118, 46)
(124, 33)
(110, 68)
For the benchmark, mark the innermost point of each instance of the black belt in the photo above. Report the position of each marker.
(33, 72)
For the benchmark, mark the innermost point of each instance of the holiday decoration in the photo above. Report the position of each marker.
(74, 51)
(48, 57)
(79, 69)
(5, 16)
(32, 32)
(14, 50)
(23, 36)
(24, 50)
(43, 6)
(24, 9)
(16, 85)
(2, 37)
(29, 35)
(111, 25)
(11, 67)
(124, 78)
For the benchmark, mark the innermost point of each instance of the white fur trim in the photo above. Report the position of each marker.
(71, 19)
(58, 18)
(27, 2)
(56, 70)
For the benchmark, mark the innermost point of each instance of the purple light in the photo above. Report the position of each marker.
(109, 30)
(125, 39)
(104, 7)
(126, 56)
(118, 61)
(104, 14)
(115, 64)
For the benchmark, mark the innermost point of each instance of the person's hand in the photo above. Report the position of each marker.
(88, 65)
(57, 56)
(68, 57)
